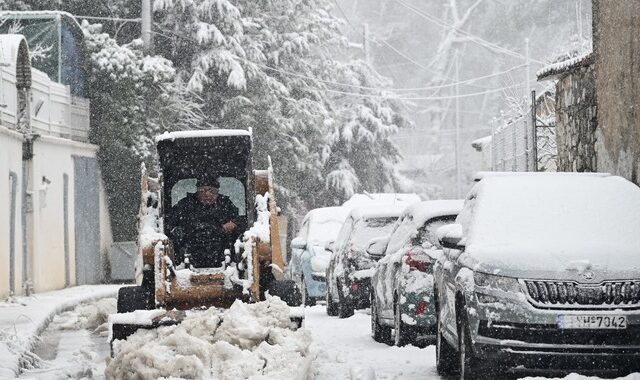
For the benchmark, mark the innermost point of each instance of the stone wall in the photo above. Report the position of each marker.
(616, 26)
(576, 119)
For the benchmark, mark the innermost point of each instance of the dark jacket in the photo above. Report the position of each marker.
(192, 223)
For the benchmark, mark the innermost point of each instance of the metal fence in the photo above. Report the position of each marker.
(527, 143)
(513, 145)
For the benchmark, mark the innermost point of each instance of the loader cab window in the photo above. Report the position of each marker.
(229, 186)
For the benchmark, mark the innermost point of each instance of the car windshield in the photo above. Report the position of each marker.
(323, 231)
(367, 229)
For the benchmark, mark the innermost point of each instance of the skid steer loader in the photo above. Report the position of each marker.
(167, 284)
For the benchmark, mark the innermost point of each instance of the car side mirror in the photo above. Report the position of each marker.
(450, 236)
(414, 238)
(298, 243)
(376, 248)
(330, 246)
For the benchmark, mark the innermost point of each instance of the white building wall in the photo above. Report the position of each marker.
(54, 112)
(53, 157)
(10, 161)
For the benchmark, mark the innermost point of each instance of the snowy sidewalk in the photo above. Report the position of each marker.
(22, 320)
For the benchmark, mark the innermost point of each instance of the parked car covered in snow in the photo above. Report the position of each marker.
(541, 271)
(402, 283)
(401, 200)
(309, 257)
(350, 267)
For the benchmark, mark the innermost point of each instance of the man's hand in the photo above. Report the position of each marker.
(229, 226)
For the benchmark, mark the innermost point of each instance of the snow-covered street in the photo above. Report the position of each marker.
(345, 350)
(75, 346)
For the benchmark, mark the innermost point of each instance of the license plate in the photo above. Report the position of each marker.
(592, 322)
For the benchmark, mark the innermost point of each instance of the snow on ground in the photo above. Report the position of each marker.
(248, 341)
(74, 345)
(244, 342)
(344, 349)
(22, 319)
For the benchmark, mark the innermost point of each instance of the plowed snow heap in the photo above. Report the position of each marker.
(168, 282)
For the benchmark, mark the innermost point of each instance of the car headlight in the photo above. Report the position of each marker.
(507, 284)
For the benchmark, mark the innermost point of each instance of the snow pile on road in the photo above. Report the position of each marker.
(92, 316)
(248, 341)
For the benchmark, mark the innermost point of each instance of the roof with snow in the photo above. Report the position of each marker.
(363, 199)
(425, 210)
(555, 218)
(555, 70)
(319, 215)
(202, 133)
(377, 211)
(482, 175)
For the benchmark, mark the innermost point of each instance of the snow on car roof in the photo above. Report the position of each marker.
(481, 175)
(376, 211)
(553, 217)
(425, 210)
(325, 224)
(361, 199)
(202, 133)
(321, 214)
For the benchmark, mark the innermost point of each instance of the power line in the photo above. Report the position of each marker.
(380, 88)
(478, 40)
(374, 96)
(403, 55)
(429, 97)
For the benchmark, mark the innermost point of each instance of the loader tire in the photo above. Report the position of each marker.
(287, 290)
(132, 298)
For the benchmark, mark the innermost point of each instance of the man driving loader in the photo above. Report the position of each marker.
(204, 224)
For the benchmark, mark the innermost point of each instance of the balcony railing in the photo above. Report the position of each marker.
(54, 111)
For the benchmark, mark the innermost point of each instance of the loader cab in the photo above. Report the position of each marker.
(188, 155)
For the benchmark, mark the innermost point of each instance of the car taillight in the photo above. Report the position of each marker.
(421, 308)
(416, 262)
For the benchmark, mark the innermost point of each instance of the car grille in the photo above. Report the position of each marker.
(565, 294)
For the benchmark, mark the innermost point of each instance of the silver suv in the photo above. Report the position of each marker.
(541, 272)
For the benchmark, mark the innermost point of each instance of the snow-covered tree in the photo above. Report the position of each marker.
(14, 5)
(133, 98)
(273, 66)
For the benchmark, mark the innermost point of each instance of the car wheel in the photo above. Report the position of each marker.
(445, 354)
(306, 300)
(332, 310)
(379, 332)
(467, 362)
(345, 310)
(404, 334)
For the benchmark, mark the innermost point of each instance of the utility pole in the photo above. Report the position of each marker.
(534, 132)
(532, 106)
(457, 124)
(365, 43)
(147, 38)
